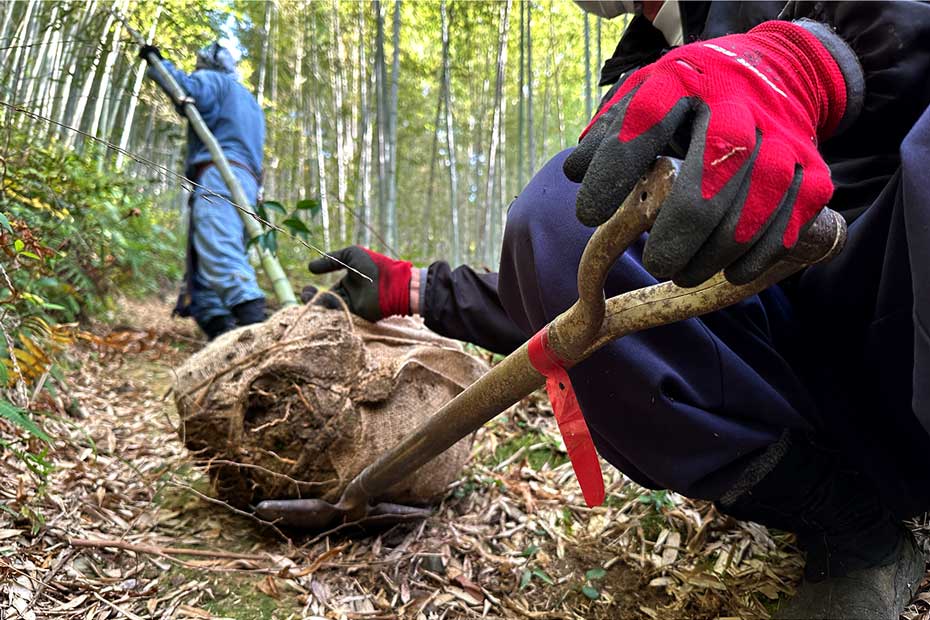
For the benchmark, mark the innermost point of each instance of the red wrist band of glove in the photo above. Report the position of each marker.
(818, 70)
(393, 284)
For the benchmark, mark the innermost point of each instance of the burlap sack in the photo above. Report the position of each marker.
(298, 405)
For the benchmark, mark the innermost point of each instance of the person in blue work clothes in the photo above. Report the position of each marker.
(221, 291)
(807, 407)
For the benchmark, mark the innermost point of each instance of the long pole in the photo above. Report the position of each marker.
(279, 282)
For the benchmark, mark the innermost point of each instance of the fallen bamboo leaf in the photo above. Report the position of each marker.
(72, 604)
(317, 563)
(269, 587)
(196, 612)
(465, 596)
(469, 586)
(123, 612)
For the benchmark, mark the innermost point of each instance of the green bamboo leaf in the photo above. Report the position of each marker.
(525, 579)
(269, 241)
(543, 576)
(55, 371)
(309, 204)
(32, 298)
(296, 226)
(5, 223)
(21, 419)
(274, 206)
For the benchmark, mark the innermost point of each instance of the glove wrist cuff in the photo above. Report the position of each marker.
(815, 64)
(394, 297)
(849, 65)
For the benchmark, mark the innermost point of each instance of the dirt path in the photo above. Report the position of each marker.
(512, 539)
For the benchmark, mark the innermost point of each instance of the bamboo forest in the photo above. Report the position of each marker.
(419, 117)
(347, 310)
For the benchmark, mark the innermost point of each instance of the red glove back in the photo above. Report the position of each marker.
(754, 106)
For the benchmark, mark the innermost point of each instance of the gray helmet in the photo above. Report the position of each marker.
(215, 57)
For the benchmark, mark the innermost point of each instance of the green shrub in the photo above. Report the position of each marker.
(72, 235)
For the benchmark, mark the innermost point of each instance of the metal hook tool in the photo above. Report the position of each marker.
(574, 335)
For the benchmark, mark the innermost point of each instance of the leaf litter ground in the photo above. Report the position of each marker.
(128, 527)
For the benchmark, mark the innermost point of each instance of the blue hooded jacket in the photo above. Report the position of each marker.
(230, 112)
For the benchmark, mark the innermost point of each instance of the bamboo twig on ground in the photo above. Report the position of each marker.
(230, 507)
(47, 579)
(123, 612)
(101, 543)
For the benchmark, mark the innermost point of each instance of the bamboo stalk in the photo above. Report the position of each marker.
(282, 287)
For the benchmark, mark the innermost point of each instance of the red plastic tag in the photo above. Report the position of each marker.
(568, 415)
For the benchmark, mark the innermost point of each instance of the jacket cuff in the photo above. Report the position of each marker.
(849, 65)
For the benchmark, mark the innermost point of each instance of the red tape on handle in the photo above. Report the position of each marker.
(568, 415)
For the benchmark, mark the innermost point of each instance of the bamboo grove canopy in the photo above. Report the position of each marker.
(411, 124)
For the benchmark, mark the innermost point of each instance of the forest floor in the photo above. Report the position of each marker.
(512, 538)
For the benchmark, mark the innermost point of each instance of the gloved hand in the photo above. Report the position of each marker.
(388, 292)
(145, 50)
(754, 106)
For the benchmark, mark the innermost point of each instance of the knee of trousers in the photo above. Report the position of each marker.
(544, 207)
(542, 248)
(653, 400)
(542, 245)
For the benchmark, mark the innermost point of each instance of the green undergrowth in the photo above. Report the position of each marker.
(73, 236)
(236, 595)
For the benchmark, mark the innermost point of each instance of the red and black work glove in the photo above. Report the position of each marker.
(753, 106)
(386, 294)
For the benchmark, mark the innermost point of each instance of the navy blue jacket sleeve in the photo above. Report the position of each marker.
(464, 305)
(890, 43)
(891, 40)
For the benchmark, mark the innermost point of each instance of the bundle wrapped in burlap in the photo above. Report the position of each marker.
(300, 404)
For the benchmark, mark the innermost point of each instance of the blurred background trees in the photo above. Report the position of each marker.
(413, 124)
